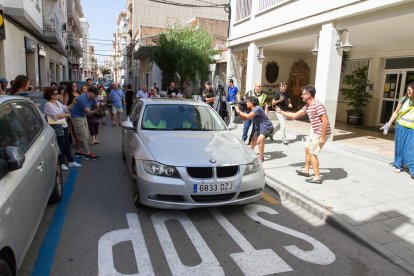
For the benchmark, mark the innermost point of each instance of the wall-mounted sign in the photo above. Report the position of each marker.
(2, 31)
(42, 51)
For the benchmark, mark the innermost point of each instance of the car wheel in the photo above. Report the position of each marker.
(137, 201)
(5, 268)
(57, 193)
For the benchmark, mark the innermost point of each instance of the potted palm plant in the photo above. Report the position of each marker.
(355, 91)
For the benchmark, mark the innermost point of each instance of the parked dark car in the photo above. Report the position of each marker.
(30, 177)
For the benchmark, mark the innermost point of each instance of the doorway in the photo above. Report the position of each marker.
(395, 85)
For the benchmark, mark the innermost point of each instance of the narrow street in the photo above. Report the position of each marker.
(104, 234)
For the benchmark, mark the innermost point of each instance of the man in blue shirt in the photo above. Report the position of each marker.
(79, 111)
(232, 99)
(117, 97)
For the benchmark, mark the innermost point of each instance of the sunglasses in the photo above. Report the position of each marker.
(56, 93)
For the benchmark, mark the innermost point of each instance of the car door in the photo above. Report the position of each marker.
(30, 191)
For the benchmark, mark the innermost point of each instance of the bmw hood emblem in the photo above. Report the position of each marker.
(212, 161)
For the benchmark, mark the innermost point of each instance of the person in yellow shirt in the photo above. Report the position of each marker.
(154, 120)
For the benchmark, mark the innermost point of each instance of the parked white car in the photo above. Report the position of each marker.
(180, 154)
(30, 177)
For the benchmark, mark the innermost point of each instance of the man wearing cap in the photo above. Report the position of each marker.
(79, 111)
(3, 86)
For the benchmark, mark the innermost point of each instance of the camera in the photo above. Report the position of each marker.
(242, 105)
(107, 104)
(220, 89)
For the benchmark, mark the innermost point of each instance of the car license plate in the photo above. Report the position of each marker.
(216, 187)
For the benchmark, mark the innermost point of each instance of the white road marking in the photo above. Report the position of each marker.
(209, 264)
(320, 254)
(251, 261)
(134, 234)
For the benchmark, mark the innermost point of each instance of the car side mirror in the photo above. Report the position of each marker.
(127, 125)
(15, 158)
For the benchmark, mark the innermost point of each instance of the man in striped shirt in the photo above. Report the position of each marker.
(320, 131)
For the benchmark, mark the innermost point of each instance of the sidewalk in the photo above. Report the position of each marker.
(360, 192)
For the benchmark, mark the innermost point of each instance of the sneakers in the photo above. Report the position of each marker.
(74, 165)
(64, 167)
(397, 170)
(285, 142)
(314, 181)
(80, 154)
(91, 156)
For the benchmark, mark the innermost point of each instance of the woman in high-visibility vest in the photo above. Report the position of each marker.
(404, 133)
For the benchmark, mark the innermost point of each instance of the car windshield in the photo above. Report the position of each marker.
(181, 117)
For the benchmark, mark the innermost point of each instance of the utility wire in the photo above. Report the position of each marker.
(188, 5)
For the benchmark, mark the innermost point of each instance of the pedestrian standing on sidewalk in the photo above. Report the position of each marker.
(281, 99)
(3, 86)
(320, 131)
(233, 97)
(21, 86)
(264, 126)
(129, 98)
(117, 97)
(79, 111)
(404, 133)
(59, 113)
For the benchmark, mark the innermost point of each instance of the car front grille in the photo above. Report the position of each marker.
(207, 172)
(200, 172)
(213, 198)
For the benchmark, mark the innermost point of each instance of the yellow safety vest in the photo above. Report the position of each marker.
(161, 124)
(406, 115)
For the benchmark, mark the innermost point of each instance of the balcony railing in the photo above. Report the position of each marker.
(265, 4)
(243, 9)
(52, 29)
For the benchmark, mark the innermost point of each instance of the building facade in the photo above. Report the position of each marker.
(75, 33)
(270, 40)
(34, 41)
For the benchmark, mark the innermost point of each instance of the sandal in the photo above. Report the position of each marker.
(302, 173)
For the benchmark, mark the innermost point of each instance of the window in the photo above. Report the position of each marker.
(243, 9)
(30, 120)
(11, 132)
(348, 66)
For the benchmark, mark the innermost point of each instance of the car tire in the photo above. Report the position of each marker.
(136, 197)
(57, 193)
(5, 269)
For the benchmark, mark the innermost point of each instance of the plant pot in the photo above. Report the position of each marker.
(356, 120)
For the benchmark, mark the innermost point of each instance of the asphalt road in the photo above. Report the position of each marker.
(97, 230)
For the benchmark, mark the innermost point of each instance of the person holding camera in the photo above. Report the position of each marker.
(208, 94)
(257, 93)
(281, 99)
(264, 126)
(79, 111)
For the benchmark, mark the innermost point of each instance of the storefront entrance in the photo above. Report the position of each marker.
(395, 86)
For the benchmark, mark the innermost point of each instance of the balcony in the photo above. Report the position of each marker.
(52, 31)
(74, 21)
(26, 13)
(73, 42)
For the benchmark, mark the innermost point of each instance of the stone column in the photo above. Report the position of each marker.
(254, 67)
(328, 71)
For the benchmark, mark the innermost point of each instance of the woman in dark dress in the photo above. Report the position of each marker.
(129, 98)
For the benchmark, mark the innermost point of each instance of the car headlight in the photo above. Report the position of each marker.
(155, 168)
(253, 167)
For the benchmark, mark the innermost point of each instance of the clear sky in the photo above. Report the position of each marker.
(102, 16)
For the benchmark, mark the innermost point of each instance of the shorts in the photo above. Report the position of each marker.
(116, 109)
(80, 125)
(267, 133)
(313, 143)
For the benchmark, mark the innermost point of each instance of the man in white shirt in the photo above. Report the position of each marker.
(142, 93)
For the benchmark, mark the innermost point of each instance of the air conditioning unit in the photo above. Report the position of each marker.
(29, 46)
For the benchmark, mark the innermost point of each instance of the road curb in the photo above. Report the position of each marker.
(331, 218)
